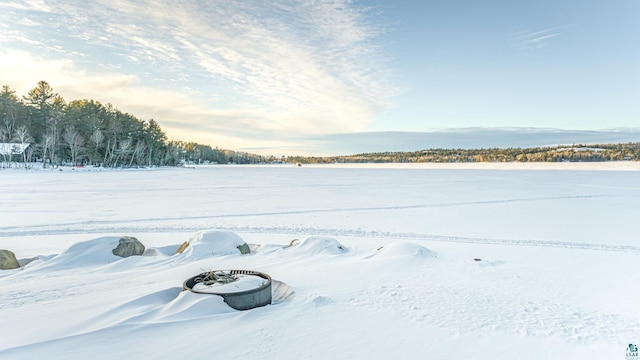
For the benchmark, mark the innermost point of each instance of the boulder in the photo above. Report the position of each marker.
(244, 249)
(8, 260)
(128, 246)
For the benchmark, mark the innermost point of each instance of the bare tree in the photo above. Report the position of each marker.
(48, 146)
(28, 152)
(21, 135)
(74, 141)
(9, 123)
(96, 139)
(138, 153)
(124, 147)
(4, 153)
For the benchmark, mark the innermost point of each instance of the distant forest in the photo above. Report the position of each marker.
(573, 153)
(43, 127)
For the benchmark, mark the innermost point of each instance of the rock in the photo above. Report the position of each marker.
(244, 249)
(128, 246)
(182, 247)
(8, 260)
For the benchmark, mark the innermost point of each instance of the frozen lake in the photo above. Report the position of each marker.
(587, 207)
(558, 250)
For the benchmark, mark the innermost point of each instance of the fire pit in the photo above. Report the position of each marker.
(240, 289)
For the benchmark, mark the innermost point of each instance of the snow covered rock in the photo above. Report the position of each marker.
(8, 260)
(128, 246)
(217, 242)
(314, 245)
(244, 249)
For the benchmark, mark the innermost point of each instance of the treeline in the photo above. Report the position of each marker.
(574, 153)
(42, 127)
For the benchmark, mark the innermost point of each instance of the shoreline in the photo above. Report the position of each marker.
(568, 166)
(584, 166)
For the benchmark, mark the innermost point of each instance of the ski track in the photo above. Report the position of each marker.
(128, 226)
(323, 231)
(13, 229)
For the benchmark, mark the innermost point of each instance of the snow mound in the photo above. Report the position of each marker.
(134, 308)
(214, 242)
(319, 245)
(96, 252)
(84, 254)
(319, 300)
(403, 250)
(185, 306)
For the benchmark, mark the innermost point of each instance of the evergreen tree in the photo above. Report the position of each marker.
(41, 100)
(9, 105)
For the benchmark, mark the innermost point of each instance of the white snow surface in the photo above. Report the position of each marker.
(368, 262)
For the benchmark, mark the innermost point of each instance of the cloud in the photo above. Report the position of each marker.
(540, 40)
(464, 138)
(28, 22)
(23, 70)
(281, 66)
(184, 118)
(29, 5)
(180, 116)
(537, 39)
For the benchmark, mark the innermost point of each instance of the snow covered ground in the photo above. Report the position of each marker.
(488, 261)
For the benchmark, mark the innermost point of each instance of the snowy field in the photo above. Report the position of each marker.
(423, 262)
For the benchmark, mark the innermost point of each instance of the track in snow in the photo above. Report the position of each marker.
(95, 228)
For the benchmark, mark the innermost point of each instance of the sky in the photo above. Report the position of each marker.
(301, 77)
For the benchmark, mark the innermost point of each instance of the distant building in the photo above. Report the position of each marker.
(8, 149)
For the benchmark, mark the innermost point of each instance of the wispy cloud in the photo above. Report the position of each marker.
(537, 39)
(280, 66)
(30, 5)
(232, 128)
(28, 22)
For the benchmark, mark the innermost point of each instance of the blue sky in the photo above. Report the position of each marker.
(286, 77)
(559, 64)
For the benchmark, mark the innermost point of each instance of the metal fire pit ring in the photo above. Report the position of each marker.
(241, 300)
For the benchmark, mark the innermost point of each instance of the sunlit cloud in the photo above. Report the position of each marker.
(28, 22)
(278, 67)
(182, 117)
(31, 5)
